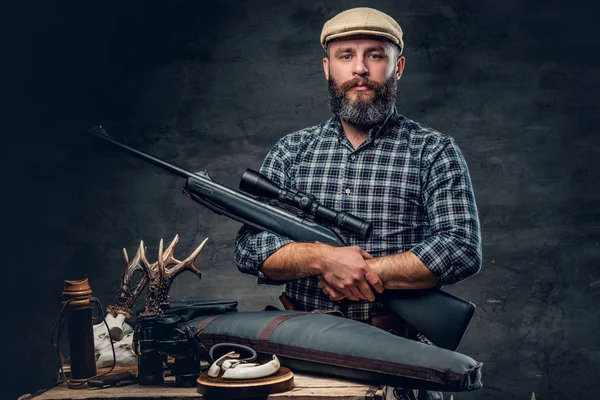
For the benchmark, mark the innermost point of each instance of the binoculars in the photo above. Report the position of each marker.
(164, 346)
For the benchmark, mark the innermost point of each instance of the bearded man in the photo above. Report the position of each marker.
(409, 180)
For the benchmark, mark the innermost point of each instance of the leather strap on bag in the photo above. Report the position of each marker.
(267, 330)
(271, 325)
(205, 322)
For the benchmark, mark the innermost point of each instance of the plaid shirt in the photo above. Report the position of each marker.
(410, 181)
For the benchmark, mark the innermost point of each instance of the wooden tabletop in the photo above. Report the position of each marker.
(306, 387)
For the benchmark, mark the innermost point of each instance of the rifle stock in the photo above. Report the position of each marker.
(442, 317)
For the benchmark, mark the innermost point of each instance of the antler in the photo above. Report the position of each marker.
(180, 266)
(161, 276)
(128, 294)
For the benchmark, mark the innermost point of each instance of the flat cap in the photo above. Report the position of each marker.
(362, 21)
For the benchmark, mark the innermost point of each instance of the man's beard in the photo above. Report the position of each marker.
(362, 111)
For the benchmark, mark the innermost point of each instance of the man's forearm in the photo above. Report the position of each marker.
(293, 261)
(403, 271)
(300, 260)
(343, 268)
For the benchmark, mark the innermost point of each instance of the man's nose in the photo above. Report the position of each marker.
(359, 67)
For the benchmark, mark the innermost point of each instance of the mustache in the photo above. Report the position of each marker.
(358, 81)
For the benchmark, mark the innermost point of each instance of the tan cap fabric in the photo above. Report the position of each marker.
(362, 21)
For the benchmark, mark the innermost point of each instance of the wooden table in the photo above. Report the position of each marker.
(306, 387)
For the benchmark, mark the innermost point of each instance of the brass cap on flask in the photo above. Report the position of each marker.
(79, 292)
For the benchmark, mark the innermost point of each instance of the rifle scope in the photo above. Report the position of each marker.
(256, 183)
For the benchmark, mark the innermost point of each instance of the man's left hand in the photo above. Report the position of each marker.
(333, 294)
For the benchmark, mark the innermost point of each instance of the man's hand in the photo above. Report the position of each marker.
(344, 273)
(402, 271)
(328, 290)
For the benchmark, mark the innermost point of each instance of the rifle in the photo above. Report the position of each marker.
(440, 316)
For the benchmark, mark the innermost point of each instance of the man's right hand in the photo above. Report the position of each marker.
(345, 273)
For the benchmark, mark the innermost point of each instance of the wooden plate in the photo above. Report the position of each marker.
(219, 388)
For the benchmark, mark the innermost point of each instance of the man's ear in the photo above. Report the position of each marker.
(400, 66)
(326, 67)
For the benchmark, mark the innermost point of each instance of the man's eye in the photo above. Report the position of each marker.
(376, 56)
(345, 57)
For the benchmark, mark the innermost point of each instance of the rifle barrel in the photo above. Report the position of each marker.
(101, 133)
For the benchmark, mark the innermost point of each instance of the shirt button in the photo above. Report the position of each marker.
(348, 191)
(353, 157)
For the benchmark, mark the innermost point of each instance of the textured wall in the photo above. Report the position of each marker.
(212, 86)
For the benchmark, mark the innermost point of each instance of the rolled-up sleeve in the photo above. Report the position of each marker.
(453, 251)
(252, 246)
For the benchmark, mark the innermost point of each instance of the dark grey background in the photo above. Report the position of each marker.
(211, 85)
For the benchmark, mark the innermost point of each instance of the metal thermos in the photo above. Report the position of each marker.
(80, 329)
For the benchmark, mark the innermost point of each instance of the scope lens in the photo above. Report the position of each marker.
(353, 223)
(255, 183)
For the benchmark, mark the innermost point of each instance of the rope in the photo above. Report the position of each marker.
(55, 341)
